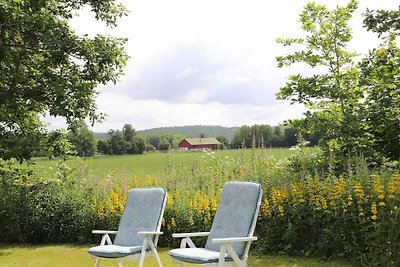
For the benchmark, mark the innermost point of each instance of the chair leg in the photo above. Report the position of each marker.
(234, 256)
(143, 252)
(158, 259)
(154, 250)
(96, 264)
(222, 252)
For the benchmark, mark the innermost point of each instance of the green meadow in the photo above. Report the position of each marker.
(152, 164)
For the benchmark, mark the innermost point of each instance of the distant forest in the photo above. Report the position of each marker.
(186, 131)
(129, 141)
(194, 131)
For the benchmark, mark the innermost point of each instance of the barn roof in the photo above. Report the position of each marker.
(202, 141)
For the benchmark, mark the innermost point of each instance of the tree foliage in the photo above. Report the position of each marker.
(264, 136)
(122, 142)
(82, 139)
(381, 79)
(382, 21)
(164, 144)
(332, 95)
(353, 106)
(224, 141)
(45, 67)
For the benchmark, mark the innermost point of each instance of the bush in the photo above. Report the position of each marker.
(43, 211)
(355, 220)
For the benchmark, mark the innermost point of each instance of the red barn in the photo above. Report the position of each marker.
(199, 143)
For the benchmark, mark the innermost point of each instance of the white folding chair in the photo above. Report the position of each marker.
(138, 230)
(231, 234)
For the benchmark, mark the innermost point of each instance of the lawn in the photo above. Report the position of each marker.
(72, 255)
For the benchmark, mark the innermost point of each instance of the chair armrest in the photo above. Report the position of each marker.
(186, 238)
(106, 238)
(181, 235)
(233, 239)
(103, 232)
(149, 233)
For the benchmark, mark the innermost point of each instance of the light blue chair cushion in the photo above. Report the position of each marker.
(196, 255)
(113, 251)
(235, 214)
(142, 212)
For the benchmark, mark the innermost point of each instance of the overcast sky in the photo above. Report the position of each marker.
(208, 62)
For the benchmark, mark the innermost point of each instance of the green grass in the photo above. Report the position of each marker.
(72, 255)
(152, 164)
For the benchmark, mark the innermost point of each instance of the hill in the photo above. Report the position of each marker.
(186, 131)
(193, 131)
(101, 136)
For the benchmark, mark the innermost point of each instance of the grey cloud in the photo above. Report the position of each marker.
(187, 68)
(170, 76)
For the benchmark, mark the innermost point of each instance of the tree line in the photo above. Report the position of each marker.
(267, 136)
(118, 142)
(127, 141)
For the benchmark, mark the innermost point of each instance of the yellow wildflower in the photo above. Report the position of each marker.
(361, 212)
(394, 185)
(278, 196)
(265, 208)
(337, 190)
(349, 201)
(207, 218)
(374, 209)
(266, 164)
(377, 187)
(101, 211)
(190, 206)
(110, 206)
(169, 200)
(281, 211)
(359, 192)
(135, 182)
(115, 197)
(214, 204)
(323, 203)
(297, 193)
(149, 180)
(173, 222)
(204, 203)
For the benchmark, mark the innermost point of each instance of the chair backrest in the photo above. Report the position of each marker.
(143, 211)
(236, 214)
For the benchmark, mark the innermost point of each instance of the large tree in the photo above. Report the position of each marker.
(381, 82)
(332, 93)
(45, 67)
